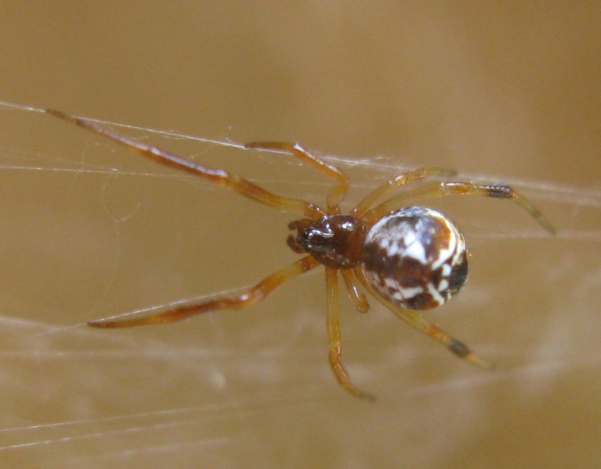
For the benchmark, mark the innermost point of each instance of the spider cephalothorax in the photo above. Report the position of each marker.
(409, 258)
(334, 240)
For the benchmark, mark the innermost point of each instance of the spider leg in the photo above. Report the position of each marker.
(242, 300)
(417, 321)
(455, 346)
(444, 188)
(352, 287)
(383, 191)
(342, 182)
(217, 176)
(335, 352)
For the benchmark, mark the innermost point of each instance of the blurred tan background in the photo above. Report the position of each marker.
(505, 92)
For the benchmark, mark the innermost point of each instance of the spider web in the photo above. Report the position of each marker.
(101, 238)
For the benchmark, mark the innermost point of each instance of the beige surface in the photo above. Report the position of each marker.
(88, 230)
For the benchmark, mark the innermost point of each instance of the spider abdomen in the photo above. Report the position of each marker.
(415, 258)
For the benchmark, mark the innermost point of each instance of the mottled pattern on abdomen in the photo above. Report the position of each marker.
(415, 258)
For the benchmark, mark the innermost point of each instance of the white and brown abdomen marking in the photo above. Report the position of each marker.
(415, 258)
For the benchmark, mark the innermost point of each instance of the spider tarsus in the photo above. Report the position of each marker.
(462, 351)
(59, 114)
(479, 362)
(365, 396)
(546, 224)
(503, 191)
(102, 324)
(70, 118)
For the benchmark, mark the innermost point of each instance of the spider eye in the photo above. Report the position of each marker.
(316, 238)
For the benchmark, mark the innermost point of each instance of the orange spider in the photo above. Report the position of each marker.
(408, 258)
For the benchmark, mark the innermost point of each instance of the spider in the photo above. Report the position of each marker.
(408, 258)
